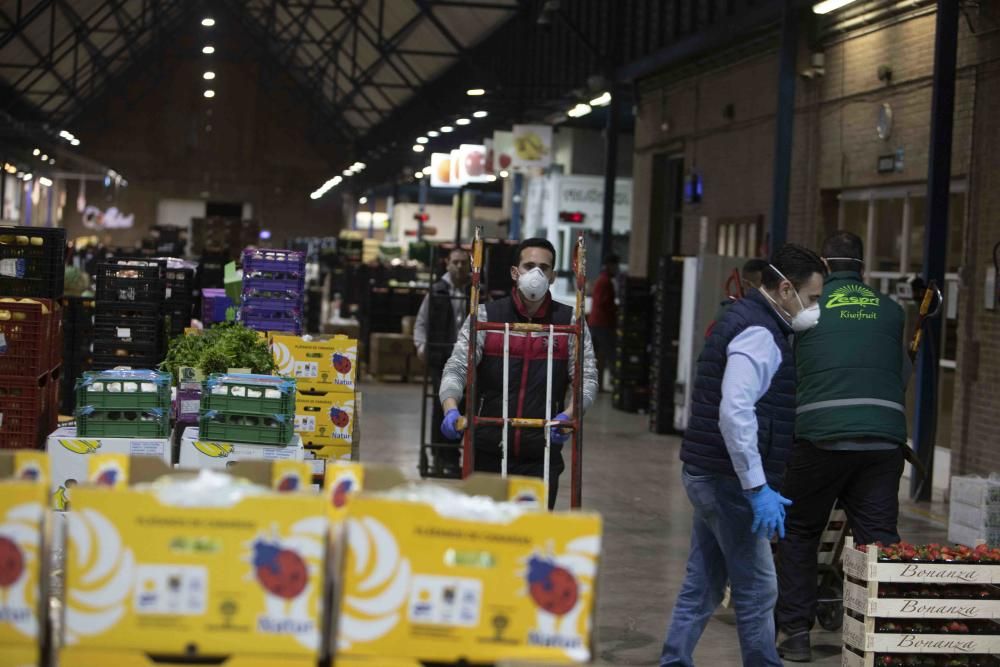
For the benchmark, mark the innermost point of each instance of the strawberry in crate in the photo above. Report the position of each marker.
(935, 553)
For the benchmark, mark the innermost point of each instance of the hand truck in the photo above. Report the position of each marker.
(471, 420)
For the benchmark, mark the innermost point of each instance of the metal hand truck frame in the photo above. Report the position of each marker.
(471, 420)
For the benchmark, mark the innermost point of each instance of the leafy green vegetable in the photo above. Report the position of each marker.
(224, 346)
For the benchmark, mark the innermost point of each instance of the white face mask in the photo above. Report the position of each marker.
(533, 284)
(805, 319)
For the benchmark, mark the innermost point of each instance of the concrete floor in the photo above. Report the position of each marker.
(632, 478)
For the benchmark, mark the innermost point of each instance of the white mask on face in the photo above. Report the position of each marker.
(805, 319)
(533, 284)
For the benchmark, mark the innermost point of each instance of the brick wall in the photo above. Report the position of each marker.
(976, 422)
(261, 147)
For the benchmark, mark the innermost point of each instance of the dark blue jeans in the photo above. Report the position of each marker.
(723, 549)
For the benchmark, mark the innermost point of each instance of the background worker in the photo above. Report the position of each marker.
(734, 450)
(850, 430)
(529, 301)
(750, 279)
(603, 317)
(439, 320)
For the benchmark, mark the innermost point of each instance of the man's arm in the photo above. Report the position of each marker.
(454, 374)
(752, 360)
(420, 328)
(589, 371)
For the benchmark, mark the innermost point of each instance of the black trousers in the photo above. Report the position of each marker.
(867, 485)
(489, 461)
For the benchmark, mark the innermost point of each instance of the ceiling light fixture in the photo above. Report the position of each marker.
(419, 174)
(27, 177)
(433, 133)
(504, 174)
(601, 100)
(462, 121)
(52, 161)
(480, 114)
(347, 172)
(36, 152)
(208, 22)
(209, 93)
(208, 76)
(208, 50)
(426, 171)
(45, 157)
(475, 92)
(363, 200)
(75, 142)
(417, 148)
(828, 6)
(446, 128)
(579, 110)
(422, 140)
(47, 182)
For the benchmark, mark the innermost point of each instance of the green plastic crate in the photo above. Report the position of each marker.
(263, 395)
(103, 423)
(124, 390)
(249, 429)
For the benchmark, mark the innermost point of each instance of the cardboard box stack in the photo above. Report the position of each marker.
(974, 510)
(24, 603)
(273, 290)
(327, 405)
(31, 333)
(188, 578)
(128, 328)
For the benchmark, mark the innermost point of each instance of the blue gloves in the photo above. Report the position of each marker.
(558, 436)
(448, 429)
(768, 512)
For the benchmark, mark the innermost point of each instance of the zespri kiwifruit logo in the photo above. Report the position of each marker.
(852, 295)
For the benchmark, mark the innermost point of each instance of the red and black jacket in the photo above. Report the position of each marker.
(528, 360)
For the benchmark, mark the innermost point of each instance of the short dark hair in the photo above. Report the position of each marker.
(796, 263)
(844, 244)
(536, 242)
(755, 266)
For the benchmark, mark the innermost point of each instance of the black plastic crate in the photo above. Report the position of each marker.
(123, 311)
(134, 281)
(180, 284)
(102, 360)
(32, 261)
(135, 334)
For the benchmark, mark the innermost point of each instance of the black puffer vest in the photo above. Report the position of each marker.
(703, 445)
(526, 389)
(440, 325)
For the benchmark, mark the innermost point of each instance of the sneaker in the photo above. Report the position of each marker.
(794, 646)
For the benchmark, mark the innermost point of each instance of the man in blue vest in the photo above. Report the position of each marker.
(734, 450)
(850, 430)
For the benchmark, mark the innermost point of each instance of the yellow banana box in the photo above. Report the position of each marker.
(197, 453)
(69, 457)
(20, 656)
(362, 661)
(77, 657)
(23, 567)
(320, 364)
(325, 419)
(457, 580)
(244, 578)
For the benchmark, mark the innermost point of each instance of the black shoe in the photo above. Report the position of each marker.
(794, 646)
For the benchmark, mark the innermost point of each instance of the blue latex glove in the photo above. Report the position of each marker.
(768, 512)
(558, 436)
(448, 429)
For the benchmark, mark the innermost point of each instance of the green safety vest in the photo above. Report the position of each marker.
(850, 366)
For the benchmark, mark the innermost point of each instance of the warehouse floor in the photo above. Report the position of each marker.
(632, 478)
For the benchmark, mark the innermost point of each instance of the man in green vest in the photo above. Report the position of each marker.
(850, 428)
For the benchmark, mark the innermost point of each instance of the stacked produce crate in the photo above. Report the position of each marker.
(666, 333)
(273, 290)
(31, 330)
(921, 605)
(327, 406)
(630, 375)
(253, 409)
(128, 329)
(123, 404)
(181, 294)
(215, 306)
(78, 341)
(974, 514)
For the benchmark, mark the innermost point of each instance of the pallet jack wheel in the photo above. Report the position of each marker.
(830, 608)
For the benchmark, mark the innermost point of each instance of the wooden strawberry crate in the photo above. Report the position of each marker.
(853, 658)
(864, 599)
(861, 634)
(865, 566)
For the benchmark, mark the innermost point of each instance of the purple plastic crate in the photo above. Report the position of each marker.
(272, 283)
(286, 326)
(214, 304)
(276, 261)
(266, 318)
(274, 304)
